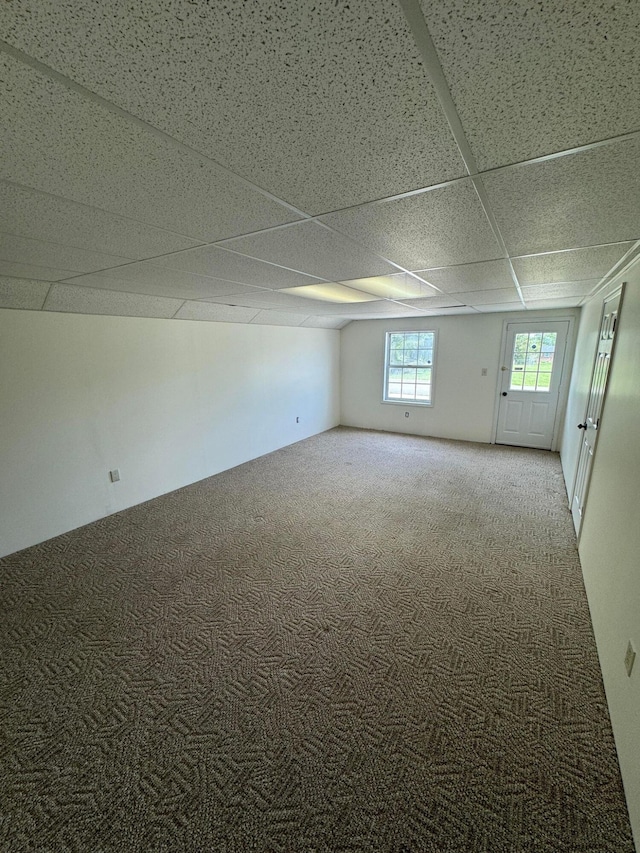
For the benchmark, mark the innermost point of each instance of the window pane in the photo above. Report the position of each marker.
(408, 391)
(533, 359)
(549, 341)
(411, 341)
(395, 389)
(544, 381)
(411, 356)
(546, 363)
(395, 374)
(409, 374)
(516, 381)
(424, 375)
(425, 340)
(425, 356)
(535, 341)
(423, 392)
(530, 381)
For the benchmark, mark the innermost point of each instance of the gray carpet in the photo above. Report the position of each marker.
(362, 642)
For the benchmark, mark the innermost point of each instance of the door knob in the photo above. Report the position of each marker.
(582, 426)
(504, 393)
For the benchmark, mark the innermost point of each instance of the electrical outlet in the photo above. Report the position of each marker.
(406, 414)
(483, 372)
(629, 658)
(114, 475)
(297, 420)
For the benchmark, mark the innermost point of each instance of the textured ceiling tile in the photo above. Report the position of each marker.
(326, 322)
(334, 91)
(22, 250)
(498, 307)
(277, 318)
(531, 78)
(33, 271)
(312, 249)
(436, 228)
(219, 263)
(143, 277)
(559, 289)
(87, 300)
(61, 142)
(22, 293)
(572, 265)
(445, 312)
(582, 199)
(28, 213)
(444, 301)
(564, 302)
(485, 275)
(272, 299)
(215, 313)
(489, 297)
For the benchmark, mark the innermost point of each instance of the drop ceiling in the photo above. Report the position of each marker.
(396, 158)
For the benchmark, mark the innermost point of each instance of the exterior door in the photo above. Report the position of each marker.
(591, 424)
(530, 387)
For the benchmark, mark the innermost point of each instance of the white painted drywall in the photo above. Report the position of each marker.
(610, 538)
(464, 400)
(167, 402)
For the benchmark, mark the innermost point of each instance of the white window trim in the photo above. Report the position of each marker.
(385, 371)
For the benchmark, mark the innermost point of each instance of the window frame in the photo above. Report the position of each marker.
(387, 367)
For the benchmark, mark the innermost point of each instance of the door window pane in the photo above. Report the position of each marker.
(532, 361)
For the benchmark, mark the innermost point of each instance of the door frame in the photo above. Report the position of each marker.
(565, 379)
(606, 297)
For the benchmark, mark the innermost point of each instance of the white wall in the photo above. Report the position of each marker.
(610, 538)
(167, 402)
(464, 400)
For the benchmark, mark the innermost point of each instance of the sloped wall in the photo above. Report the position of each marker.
(610, 538)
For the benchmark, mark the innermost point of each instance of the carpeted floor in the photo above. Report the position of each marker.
(362, 642)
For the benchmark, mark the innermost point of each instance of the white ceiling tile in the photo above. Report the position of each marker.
(583, 199)
(335, 93)
(22, 293)
(277, 318)
(314, 250)
(489, 297)
(218, 263)
(21, 250)
(498, 307)
(444, 301)
(445, 312)
(60, 142)
(215, 313)
(326, 322)
(484, 275)
(272, 299)
(87, 300)
(559, 289)
(531, 78)
(33, 271)
(144, 277)
(433, 229)
(565, 302)
(28, 213)
(572, 265)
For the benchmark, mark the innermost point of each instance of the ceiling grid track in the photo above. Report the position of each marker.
(426, 47)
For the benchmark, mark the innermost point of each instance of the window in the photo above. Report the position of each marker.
(408, 367)
(532, 361)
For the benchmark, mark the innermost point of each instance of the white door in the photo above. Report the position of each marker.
(530, 388)
(589, 427)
